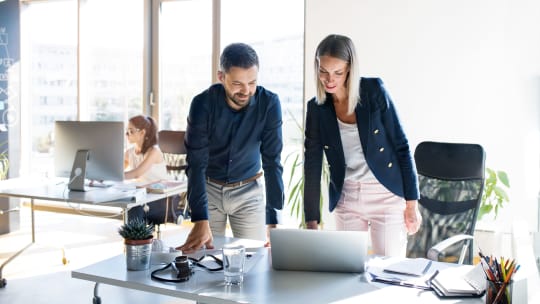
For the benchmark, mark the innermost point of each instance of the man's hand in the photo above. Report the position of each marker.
(199, 236)
(268, 227)
(312, 225)
(413, 219)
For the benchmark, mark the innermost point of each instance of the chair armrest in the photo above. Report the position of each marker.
(435, 251)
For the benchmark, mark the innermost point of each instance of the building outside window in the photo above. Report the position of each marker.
(49, 77)
(92, 68)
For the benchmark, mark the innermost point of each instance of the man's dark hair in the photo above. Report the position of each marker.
(238, 55)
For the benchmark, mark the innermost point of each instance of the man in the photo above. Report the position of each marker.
(232, 126)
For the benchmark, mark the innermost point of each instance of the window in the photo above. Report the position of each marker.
(110, 68)
(185, 55)
(277, 35)
(93, 68)
(111, 59)
(49, 73)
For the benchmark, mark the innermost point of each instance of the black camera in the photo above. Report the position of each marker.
(182, 266)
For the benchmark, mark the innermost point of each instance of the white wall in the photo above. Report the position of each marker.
(458, 71)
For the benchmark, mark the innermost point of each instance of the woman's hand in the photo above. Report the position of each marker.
(413, 219)
(312, 225)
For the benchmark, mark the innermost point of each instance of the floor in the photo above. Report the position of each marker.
(38, 275)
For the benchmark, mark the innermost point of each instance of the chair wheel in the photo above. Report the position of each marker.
(96, 300)
(3, 283)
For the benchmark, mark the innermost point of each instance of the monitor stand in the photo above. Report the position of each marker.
(78, 171)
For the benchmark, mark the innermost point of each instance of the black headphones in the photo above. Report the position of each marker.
(183, 266)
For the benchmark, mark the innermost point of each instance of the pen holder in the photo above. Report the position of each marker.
(498, 293)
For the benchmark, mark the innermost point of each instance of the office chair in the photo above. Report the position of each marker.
(171, 144)
(172, 209)
(451, 182)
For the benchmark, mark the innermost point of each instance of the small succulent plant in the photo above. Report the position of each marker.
(136, 229)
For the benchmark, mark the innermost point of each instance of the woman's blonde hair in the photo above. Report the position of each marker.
(342, 47)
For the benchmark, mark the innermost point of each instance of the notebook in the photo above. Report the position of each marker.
(318, 250)
(413, 267)
(454, 282)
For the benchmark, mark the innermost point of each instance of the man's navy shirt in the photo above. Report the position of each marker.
(229, 145)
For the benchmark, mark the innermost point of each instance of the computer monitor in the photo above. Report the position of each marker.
(92, 150)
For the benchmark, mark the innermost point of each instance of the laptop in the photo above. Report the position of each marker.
(318, 250)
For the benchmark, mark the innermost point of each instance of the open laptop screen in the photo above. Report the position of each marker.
(318, 250)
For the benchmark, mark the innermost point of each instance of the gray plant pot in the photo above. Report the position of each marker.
(138, 254)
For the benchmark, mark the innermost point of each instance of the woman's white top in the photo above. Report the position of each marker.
(357, 167)
(157, 171)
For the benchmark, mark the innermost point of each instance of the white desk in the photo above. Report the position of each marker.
(56, 190)
(262, 284)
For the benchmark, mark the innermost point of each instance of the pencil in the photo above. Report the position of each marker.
(503, 286)
(487, 271)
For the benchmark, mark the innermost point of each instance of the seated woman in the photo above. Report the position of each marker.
(144, 161)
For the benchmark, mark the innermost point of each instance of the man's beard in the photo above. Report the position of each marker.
(240, 103)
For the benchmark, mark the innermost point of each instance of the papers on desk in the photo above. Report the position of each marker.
(166, 186)
(414, 267)
(460, 281)
(400, 282)
(131, 191)
(414, 273)
(446, 281)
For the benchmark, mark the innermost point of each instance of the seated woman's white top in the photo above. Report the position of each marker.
(157, 171)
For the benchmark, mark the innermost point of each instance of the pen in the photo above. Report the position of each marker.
(427, 267)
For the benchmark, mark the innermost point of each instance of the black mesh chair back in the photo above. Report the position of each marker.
(451, 181)
(171, 144)
(173, 209)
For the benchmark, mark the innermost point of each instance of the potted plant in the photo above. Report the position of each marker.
(494, 195)
(138, 237)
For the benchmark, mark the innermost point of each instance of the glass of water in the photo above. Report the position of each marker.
(234, 258)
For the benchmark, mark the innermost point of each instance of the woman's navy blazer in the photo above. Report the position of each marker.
(384, 143)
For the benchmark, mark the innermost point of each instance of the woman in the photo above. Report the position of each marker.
(144, 161)
(373, 181)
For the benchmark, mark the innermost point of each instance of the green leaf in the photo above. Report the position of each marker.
(503, 177)
(488, 190)
(136, 229)
(491, 178)
(485, 209)
(293, 170)
(501, 194)
(494, 195)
